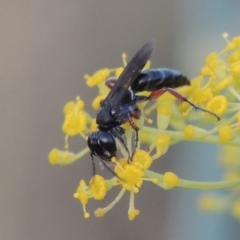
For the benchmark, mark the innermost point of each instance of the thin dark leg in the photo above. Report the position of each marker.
(177, 95)
(119, 137)
(136, 143)
(136, 128)
(109, 169)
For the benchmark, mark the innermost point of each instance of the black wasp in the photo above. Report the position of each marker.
(120, 105)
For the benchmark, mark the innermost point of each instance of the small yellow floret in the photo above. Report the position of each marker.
(225, 133)
(235, 43)
(53, 156)
(206, 71)
(98, 187)
(70, 106)
(191, 132)
(142, 159)
(100, 212)
(130, 174)
(75, 122)
(57, 157)
(218, 105)
(212, 60)
(234, 57)
(201, 95)
(98, 77)
(81, 193)
(133, 214)
(170, 179)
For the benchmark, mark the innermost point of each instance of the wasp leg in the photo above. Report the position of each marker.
(177, 95)
(135, 114)
(109, 169)
(118, 135)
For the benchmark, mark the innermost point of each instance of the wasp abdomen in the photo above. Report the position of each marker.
(154, 79)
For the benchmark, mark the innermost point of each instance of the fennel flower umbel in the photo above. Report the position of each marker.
(216, 88)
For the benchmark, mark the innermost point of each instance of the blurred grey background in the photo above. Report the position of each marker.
(45, 49)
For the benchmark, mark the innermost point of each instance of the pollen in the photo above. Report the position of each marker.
(98, 187)
(131, 176)
(97, 102)
(133, 214)
(201, 95)
(218, 105)
(225, 133)
(170, 179)
(142, 159)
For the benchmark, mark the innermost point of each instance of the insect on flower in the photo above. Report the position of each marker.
(121, 104)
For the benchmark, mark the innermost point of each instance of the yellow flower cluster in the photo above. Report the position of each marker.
(216, 89)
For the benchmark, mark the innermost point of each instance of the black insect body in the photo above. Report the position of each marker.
(154, 79)
(120, 105)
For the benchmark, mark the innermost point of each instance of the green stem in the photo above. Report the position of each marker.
(81, 153)
(151, 133)
(195, 184)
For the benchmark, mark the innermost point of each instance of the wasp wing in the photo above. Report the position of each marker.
(129, 74)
